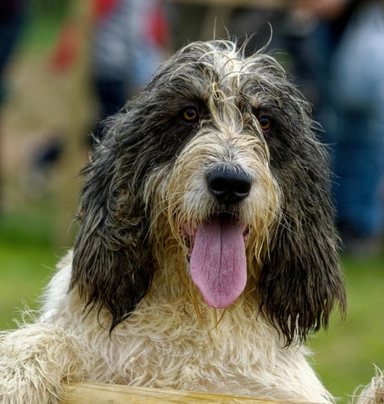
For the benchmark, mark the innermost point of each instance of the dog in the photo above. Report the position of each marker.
(206, 253)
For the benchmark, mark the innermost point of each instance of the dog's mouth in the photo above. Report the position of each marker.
(217, 258)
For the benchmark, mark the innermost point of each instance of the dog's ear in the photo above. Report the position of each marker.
(302, 279)
(111, 262)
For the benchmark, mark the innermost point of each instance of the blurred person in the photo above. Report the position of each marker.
(344, 56)
(357, 89)
(129, 39)
(128, 45)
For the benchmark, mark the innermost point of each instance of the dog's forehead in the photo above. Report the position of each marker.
(202, 64)
(222, 60)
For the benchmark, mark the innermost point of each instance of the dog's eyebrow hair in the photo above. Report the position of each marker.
(186, 91)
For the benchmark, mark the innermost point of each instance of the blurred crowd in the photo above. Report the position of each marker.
(333, 48)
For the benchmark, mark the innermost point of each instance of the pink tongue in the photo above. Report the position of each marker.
(218, 264)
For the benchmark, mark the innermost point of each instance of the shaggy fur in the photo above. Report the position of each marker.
(217, 140)
(373, 393)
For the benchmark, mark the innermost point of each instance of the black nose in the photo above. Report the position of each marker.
(229, 185)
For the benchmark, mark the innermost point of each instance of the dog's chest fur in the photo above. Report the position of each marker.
(164, 337)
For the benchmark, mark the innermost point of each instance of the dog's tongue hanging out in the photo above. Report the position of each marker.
(218, 263)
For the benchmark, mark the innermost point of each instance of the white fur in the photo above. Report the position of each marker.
(373, 393)
(161, 345)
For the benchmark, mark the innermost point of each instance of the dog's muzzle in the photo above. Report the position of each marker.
(218, 264)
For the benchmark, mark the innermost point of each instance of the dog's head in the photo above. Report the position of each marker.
(218, 155)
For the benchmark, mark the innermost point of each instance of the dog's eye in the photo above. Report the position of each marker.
(265, 123)
(189, 115)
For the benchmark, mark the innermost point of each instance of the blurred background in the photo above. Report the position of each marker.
(66, 64)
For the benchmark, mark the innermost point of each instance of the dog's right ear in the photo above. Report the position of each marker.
(111, 262)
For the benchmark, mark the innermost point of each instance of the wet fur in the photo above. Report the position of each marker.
(122, 307)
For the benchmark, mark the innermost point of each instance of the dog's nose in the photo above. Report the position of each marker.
(229, 185)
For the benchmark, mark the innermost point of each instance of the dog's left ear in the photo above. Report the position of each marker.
(302, 279)
(111, 266)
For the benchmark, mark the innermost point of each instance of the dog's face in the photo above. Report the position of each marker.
(218, 155)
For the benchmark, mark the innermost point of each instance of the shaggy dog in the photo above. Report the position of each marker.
(206, 252)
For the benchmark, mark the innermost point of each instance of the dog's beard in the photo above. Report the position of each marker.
(218, 264)
(220, 242)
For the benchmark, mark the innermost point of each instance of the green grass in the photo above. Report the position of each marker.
(24, 270)
(346, 353)
(26, 261)
(343, 355)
